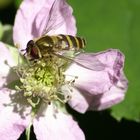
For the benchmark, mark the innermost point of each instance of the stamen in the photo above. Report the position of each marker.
(42, 81)
(75, 77)
(71, 81)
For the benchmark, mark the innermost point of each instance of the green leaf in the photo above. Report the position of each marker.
(7, 34)
(114, 24)
(1, 30)
(17, 3)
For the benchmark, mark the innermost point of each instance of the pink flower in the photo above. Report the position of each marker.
(100, 81)
(101, 86)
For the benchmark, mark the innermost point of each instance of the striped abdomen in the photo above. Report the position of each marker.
(60, 42)
(68, 42)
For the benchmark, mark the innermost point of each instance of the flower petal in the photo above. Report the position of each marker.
(95, 83)
(6, 62)
(56, 126)
(78, 101)
(36, 17)
(111, 97)
(14, 118)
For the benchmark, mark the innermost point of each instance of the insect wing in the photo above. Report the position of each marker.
(55, 19)
(89, 61)
(84, 60)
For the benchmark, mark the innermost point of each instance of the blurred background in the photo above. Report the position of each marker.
(105, 24)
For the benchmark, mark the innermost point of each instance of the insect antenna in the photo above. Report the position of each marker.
(23, 50)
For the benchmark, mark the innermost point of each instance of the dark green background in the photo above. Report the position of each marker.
(107, 24)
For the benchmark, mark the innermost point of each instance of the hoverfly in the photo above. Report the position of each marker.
(59, 45)
(48, 45)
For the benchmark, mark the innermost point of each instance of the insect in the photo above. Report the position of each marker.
(47, 45)
(58, 45)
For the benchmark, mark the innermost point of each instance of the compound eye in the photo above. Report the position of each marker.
(32, 50)
(34, 53)
(30, 44)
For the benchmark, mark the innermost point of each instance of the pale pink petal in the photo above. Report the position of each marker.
(78, 100)
(14, 115)
(6, 62)
(94, 83)
(35, 17)
(111, 97)
(56, 125)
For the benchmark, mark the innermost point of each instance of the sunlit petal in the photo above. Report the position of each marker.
(77, 100)
(14, 115)
(56, 126)
(6, 62)
(115, 95)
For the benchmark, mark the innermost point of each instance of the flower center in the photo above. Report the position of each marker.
(42, 80)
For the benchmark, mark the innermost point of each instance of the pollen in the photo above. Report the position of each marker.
(41, 81)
